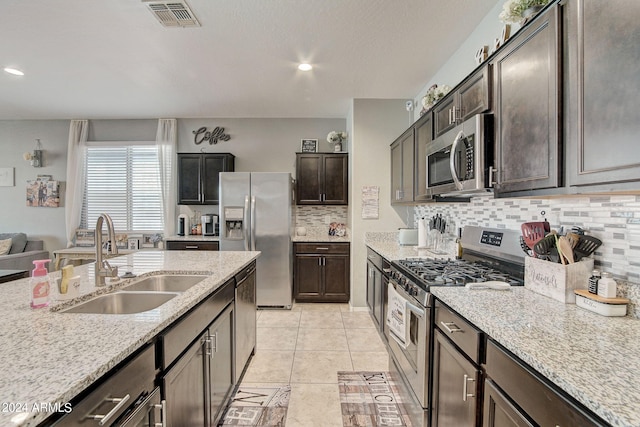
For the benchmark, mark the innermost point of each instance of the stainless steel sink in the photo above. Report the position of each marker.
(122, 303)
(166, 283)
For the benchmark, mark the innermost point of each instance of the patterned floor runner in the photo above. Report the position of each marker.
(371, 399)
(263, 406)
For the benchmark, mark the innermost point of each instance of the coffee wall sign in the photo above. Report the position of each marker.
(201, 135)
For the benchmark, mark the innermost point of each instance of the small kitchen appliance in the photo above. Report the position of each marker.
(210, 225)
(183, 225)
(488, 255)
(460, 162)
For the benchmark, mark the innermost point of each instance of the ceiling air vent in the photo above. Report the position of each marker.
(172, 13)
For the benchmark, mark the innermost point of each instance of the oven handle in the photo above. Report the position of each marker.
(416, 310)
(412, 307)
(452, 165)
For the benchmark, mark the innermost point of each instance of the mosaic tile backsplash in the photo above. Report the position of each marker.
(613, 219)
(314, 216)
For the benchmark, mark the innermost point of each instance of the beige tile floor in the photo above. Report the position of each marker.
(306, 347)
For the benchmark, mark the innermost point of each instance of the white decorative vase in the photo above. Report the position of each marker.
(338, 147)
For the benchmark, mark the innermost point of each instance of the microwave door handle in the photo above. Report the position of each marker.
(452, 164)
(246, 223)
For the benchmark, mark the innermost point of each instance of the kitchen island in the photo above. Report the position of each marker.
(591, 358)
(50, 357)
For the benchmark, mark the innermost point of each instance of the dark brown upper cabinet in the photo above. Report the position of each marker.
(602, 85)
(198, 177)
(527, 107)
(423, 135)
(402, 159)
(471, 97)
(322, 179)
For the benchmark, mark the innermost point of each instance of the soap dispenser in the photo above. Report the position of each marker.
(40, 284)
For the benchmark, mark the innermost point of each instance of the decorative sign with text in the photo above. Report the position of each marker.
(213, 136)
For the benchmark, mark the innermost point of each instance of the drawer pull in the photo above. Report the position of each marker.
(322, 249)
(450, 327)
(465, 392)
(105, 418)
(191, 246)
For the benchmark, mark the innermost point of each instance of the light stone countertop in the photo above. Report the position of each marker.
(593, 358)
(319, 234)
(50, 357)
(193, 238)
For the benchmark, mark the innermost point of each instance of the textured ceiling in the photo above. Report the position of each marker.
(112, 58)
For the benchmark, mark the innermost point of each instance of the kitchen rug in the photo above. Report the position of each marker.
(258, 406)
(371, 399)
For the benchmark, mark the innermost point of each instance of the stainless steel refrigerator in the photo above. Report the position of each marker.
(256, 214)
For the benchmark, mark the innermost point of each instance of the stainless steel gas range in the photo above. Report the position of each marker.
(489, 255)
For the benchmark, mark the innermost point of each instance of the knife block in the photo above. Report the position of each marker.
(555, 280)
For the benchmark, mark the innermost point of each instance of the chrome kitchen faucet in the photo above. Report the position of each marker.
(103, 268)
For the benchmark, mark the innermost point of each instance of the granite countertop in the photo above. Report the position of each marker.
(193, 238)
(591, 357)
(318, 234)
(49, 357)
(386, 244)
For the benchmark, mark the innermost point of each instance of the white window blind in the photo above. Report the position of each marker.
(123, 181)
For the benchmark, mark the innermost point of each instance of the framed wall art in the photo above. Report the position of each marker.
(309, 146)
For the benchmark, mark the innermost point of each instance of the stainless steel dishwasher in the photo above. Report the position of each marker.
(245, 320)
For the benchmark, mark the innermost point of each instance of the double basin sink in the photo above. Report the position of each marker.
(142, 295)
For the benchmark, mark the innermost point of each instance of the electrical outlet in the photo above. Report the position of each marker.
(327, 219)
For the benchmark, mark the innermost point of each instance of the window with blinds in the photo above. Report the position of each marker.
(124, 182)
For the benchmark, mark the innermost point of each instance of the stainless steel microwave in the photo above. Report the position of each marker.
(459, 162)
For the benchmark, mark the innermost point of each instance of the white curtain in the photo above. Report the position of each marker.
(166, 141)
(76, 163)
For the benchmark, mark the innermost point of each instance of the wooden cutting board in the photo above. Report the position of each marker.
(587, 294)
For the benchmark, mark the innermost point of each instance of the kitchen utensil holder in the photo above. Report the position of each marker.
(555, 280)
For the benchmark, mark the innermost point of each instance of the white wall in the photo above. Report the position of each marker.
(266, 145)
(462, 62)
(374, 124)
(17, 137)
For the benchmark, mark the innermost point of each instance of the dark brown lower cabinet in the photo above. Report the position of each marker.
(181, 245)
(518, 394)
(455, 386)
(321, 272)
(499, 411)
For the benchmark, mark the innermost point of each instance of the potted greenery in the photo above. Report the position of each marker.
(519, 11)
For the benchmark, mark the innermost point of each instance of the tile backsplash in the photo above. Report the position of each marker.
(315, 216)
(613, 219)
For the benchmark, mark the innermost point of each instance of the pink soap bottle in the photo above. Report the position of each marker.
(40, 284)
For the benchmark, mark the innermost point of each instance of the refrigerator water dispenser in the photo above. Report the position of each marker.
(234, 223)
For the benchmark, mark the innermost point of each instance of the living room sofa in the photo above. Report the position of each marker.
(22, 253)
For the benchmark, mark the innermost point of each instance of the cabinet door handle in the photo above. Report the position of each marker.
(450, 327)
(121, 401)
(214, 345)
(319, 260)
(465, 392)
(163, 413)
(206, 342)
(493, 176)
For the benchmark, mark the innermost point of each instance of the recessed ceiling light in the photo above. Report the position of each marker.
(304, 67)
(13, 71)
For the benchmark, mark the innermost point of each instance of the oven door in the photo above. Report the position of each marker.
(413, 360)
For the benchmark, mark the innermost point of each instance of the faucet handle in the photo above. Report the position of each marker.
(111, 271)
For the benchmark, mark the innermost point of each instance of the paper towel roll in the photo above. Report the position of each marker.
(422, 233)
